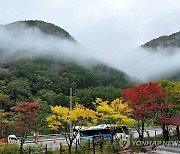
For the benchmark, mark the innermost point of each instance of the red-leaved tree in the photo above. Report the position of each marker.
(6, 123)
(26, 120)
(146, 100)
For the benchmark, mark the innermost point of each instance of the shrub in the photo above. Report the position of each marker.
(9, 149)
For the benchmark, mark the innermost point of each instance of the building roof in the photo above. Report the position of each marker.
(174, 120)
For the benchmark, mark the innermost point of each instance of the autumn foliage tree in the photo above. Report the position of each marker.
(173, 89)
(113, 114)
(6, 123)
(146, 101)
(25, 117)
(62, 118)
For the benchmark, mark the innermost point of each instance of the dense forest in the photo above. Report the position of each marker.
(49, 81)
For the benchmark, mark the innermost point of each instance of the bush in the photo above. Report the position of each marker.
(9, 149)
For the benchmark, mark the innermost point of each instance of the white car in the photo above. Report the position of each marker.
(12, 138)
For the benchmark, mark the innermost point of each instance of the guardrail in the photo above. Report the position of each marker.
(44, 138)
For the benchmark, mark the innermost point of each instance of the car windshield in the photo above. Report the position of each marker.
(12, 139)
(95, 132)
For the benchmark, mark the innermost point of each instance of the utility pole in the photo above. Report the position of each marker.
(70, 109)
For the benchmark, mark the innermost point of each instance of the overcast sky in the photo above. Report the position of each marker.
(110, 30)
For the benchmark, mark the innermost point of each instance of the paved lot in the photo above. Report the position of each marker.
(169, 149)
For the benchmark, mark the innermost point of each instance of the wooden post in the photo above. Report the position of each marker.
(76, 147)
(94, 148)
(46, 149)
(101, 146)
(61, 150)
(89, 145)
(29, 150)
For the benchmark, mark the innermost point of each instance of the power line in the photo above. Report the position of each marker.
(139, 60)
(131, 59)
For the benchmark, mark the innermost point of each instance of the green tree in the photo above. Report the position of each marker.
(173, 90)
(19, 89)
(5, 103)
(87, 96)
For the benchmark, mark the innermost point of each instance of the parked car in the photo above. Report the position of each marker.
(12, 138)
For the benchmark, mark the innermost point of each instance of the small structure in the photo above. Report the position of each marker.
(175, 121)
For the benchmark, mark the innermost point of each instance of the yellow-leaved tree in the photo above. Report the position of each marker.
(113, 114)
(63, 117)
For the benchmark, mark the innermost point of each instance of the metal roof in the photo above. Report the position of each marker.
(174, 120)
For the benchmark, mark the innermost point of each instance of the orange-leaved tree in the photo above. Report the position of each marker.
(26, 118)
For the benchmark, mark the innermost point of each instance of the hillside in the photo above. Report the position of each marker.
(48, 78)
(174, 77)
(171, 41)
(50, 81)
(45, 27)
(168, 44)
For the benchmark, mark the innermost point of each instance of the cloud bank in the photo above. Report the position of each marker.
(20, 41)
(109, 30)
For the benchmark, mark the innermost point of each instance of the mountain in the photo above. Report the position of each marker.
(48, 78)
(171, 41)
(174, 76)
(34, 38)
(47, 28)
(167, 44)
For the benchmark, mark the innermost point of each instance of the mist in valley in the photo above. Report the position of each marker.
(19, 41)
(109, 32)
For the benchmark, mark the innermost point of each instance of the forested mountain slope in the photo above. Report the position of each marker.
(48, 79)
(47, 28)
(171, 41)
(166, 45)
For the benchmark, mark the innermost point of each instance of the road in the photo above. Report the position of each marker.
(151, 132)
(54, 140)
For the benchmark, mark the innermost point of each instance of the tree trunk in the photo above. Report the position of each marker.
(112, 140)
(164, 133)
(138, 130)
(21, 146)
(23, 139)
(142, 132)
(167, 134)
(177, 129)
(70, 147)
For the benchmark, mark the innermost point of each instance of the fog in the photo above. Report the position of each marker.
(110, 31)
(20, 41)
(153, 65)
